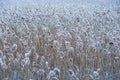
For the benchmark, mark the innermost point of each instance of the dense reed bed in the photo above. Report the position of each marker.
(59, 43)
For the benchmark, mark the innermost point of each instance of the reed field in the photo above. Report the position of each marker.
(56, 42)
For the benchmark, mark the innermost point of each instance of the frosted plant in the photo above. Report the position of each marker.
(27, 36)
(47, 65)
(4, 66)
(61, 55)
(57, 71)
(1, 54)
(27, 61)
(70, 50)
(60, 35)
(54, 78)
(1, 61)
(96, 74)
(4, 58)
(41, 72)
(92, 43)
(14, 48)
(56, 45)
(28, 54)
(88, 77)
(72, 75)
(50, 37)
(76, 69)
(51, 74)
(22, 63)
(71, 61)
(79, 43)
(21, 42)
(36, 56)
(116, 59)
(67, 44)
(36, 68)
(106, 51)
(27, 48)
(45, 29)
(42, 60)
(6, 46)
(16, 61)
(33, 63)
(18, 56)
(24, 42)
(98, 45)
(68, 35)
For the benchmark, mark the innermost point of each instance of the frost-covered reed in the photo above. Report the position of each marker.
(59, 43)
